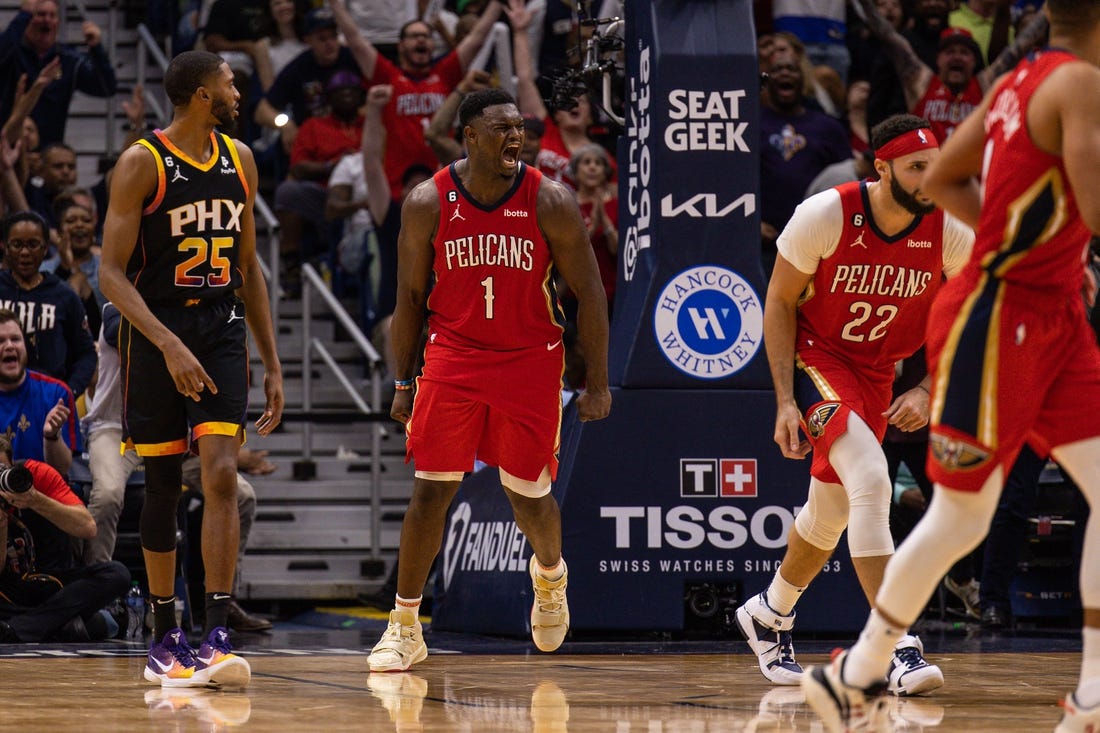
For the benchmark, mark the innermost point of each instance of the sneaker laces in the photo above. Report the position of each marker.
(183, 653)
(910, 656)
(398, 632)
(549, 600)
(786, 648)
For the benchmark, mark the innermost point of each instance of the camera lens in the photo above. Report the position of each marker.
(15, 479)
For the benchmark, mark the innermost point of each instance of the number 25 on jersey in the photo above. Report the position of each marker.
(205, 254)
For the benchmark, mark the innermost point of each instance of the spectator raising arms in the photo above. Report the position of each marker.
(29, 44)
(566, 131)
(419, 84)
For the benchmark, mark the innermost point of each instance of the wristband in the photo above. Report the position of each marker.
(403, 385)
(925, 389)
(53, 437)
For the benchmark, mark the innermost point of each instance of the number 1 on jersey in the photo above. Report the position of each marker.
(487, 283)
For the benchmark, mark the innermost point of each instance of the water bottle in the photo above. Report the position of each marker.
(135, 613)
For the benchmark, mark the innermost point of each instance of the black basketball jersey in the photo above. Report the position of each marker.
(188, 246)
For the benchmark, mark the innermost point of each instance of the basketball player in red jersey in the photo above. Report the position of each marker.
(1012, 356)
(179, 263)
(490, 228)
(858, 267)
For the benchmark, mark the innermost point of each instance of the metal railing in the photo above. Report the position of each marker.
(313, 282)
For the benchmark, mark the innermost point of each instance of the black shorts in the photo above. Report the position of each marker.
(159, 421)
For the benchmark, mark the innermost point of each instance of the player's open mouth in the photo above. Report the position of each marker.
(511, 154)
(10, 359)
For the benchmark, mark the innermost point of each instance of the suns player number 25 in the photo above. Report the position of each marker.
(204, 252)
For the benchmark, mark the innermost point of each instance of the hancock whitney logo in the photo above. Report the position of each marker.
(709, 321)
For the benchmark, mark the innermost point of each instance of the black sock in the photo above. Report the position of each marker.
(217, 611)
(164, 616)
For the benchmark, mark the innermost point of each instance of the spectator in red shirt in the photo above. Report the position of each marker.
(320, 144)
(44, 593)
(419, 84)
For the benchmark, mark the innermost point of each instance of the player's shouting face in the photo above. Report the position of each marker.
(498, 138)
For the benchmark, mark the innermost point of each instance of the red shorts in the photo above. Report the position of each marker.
(1005, 372)
(826, 390)
(501, 407)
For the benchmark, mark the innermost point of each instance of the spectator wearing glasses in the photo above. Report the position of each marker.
(54, 323)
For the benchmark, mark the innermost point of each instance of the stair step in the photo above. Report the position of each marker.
(395, 493)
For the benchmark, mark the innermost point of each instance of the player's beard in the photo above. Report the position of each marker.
(223, 113)
(908, 201)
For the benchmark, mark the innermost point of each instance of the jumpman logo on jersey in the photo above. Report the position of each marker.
(178, 176)
(233, 315)
(457, 215)
(858, 242)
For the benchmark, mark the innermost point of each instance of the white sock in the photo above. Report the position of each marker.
(553, 573)
(1088, 688)
(782, 596)
(869, 659)
(412, 605)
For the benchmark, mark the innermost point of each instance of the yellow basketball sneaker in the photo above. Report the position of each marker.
(216, 664)
(550, 612)
(401, 646)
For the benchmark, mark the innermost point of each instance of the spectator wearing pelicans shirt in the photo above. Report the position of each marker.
(52, 316)
(419, 84)
(946, 95)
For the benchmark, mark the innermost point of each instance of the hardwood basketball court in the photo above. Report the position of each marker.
(317, 681)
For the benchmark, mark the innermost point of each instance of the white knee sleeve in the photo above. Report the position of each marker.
(953, 525)
(823, 519)
(1081, 460)
(858, 460)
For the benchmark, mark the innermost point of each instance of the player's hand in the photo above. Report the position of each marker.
(190, 378)
(593, 404)
(273, 407)
(909, 411)
(402, 407)
(55, 419)
(786, 432)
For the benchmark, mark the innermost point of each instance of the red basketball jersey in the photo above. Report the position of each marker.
(868, 301)
(493, 288)
(944, 108)
(1030, 232)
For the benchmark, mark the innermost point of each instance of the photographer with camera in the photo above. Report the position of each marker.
(43, 593)
(36, 410)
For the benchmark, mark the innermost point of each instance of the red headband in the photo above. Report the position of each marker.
(910, 142)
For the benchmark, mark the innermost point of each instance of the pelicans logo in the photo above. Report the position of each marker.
(820, 417)
(955, 454)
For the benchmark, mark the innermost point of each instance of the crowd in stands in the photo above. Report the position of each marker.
(349, 104)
